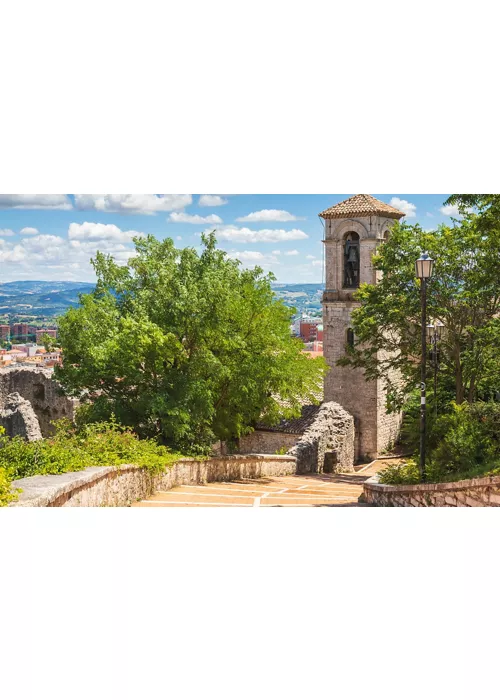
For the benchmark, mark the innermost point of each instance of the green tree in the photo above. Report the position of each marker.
(184, 346)
(464, 294)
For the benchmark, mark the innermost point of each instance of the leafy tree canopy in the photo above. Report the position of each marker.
(464, 294)
(184, 346)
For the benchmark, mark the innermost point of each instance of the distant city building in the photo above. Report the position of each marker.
(19, 329)
(16, 355)
(309, 329)
(40, 332)
(4, 332)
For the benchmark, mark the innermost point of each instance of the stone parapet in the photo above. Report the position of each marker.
(120, 486)
(472, 493)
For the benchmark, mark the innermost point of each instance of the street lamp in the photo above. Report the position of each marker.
(434, 334)
(424, 267)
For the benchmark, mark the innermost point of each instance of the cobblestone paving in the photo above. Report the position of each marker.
(284, 491)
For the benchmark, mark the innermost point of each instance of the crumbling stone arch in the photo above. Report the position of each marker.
(44, 393)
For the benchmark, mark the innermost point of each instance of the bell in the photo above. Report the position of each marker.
(352, 255)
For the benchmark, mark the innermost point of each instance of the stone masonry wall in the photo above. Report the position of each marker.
(328, 444)
(267, 442)
(471, 493)
(389, 424)
(121, 486)
(19, 419)
(347, 386)
(37, 386)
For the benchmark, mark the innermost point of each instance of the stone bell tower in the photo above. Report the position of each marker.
(353, 231)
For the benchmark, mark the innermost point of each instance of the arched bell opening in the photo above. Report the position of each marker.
(351, 260)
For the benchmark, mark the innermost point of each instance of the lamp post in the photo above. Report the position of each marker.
(434, 333)
(423, 268)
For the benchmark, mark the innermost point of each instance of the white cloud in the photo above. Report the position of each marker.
(100, 232)
(428, 213)
(211, 200)
(310, 257)
(53, 257)
(6, 232)
(245, 235)
(40, 249)
(269, 215)
(179, 238)
(44, 247)
(35, 201)
(133, 203)
(247, 255)
(84, 250)
(276, 252)
(183, 218)
(292, 252)
(11, 253)
(450, 210)
(409, 209)
(28, 231)
(317, 263)
(250, 258)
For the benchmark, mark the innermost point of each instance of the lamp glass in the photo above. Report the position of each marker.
(424, 266)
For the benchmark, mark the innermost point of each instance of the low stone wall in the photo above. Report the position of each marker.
(328, 444)
(120, 486)
(472, 493)
(267, 442)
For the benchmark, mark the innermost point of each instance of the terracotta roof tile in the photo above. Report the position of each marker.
(361, 205)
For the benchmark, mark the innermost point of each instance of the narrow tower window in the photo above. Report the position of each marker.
(350, 337)
(351, 261)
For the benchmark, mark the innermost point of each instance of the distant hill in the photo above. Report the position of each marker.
(39, 298)
(305, 298)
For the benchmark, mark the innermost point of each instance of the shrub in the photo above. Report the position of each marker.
(406, 473)
(5, 493)
(463, 444)
(72, 449)
(6, 496)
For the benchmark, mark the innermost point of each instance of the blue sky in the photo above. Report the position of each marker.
(52, 237)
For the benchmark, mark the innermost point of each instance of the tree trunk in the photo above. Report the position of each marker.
(459, 382)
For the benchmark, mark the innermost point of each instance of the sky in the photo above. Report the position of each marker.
(53, 236)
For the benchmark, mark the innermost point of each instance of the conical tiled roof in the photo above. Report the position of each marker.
(361, 205)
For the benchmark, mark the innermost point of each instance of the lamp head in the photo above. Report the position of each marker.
(439, 329)
(424, 267)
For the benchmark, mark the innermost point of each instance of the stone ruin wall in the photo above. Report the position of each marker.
(44, 393)
(267, 442)
(19, 419)
(328, 444)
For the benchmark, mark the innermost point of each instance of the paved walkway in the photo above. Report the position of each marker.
(304, 490)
